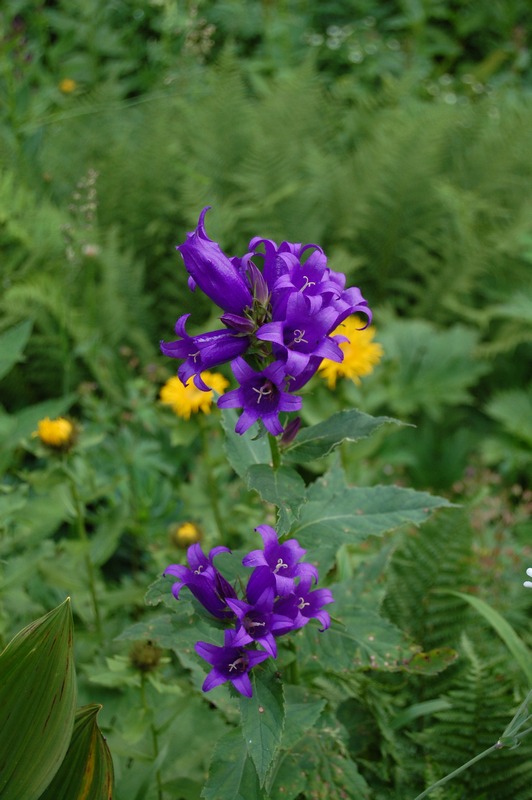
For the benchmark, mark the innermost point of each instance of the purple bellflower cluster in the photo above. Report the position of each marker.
(278, 322)
(279, 598)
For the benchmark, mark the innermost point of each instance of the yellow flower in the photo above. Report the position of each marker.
(187, 400)
(67, 85)
(361, 353)
(185, 534)
(57, 433)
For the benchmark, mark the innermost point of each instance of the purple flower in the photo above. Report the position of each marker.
(202, 578)
(258, 620)
(261, 396)
(282, 561)
(219, 277)
(302, 335)
(203, 352)
(306, 604)
(229, 663)
(281, 305)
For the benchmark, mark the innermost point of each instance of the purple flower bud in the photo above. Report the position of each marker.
(218, 276)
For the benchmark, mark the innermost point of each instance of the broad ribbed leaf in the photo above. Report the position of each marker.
(336, 514)
(263, 721)
(345, 426)
(37, 704)
(87, 769)
(243, 451)
(232, 775)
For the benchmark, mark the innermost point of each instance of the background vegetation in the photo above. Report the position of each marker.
(397, 135)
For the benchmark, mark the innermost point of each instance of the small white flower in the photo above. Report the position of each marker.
(528, 584)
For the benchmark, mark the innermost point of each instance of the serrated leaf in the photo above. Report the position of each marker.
(263, 718)
(283, 487)
(12, 344)
(160, 591)
(232, 775)
(302, 712)
(321, 439)
(243, 450)
(336, 514)
(37, 704)
(86, 772)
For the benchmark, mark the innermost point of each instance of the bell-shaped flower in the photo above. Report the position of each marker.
(302, 334)
(203, 352)
(221, 278)
(229, 663)
(305, 604)
(258, 622)
(261, 395)
(202, 578)
(282, 560)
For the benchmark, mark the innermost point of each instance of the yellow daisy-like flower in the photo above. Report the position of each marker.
(67, 85)
(185, 534)
(57, 433)
(361, 353)
(187, 400)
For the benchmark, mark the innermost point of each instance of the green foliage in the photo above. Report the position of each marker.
(397, 138)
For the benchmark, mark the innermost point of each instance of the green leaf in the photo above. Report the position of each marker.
(336, 514)
(513, 408)
(37, 704)
(263, 720)
(243, 451)
(283, 487)
(232, 775)
(418, 710)
(87, 769)
(431, 662)
(513, 642)
(321, 439)
(12, 344)
(302, 712)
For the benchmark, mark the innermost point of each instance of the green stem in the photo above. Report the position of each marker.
(84, 539)
(276, 453)
(461, 769)
(155, 740)
(212, 485)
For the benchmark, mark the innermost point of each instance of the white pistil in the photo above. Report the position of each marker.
(280, 565)
(256, 624)
(298, 337)
(199, 570)
(235, 664)
(301, 605)
(264, 391)
(194, 356)
(307, 283)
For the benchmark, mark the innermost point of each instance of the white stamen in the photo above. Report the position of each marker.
(298, 336)
(264, 391)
